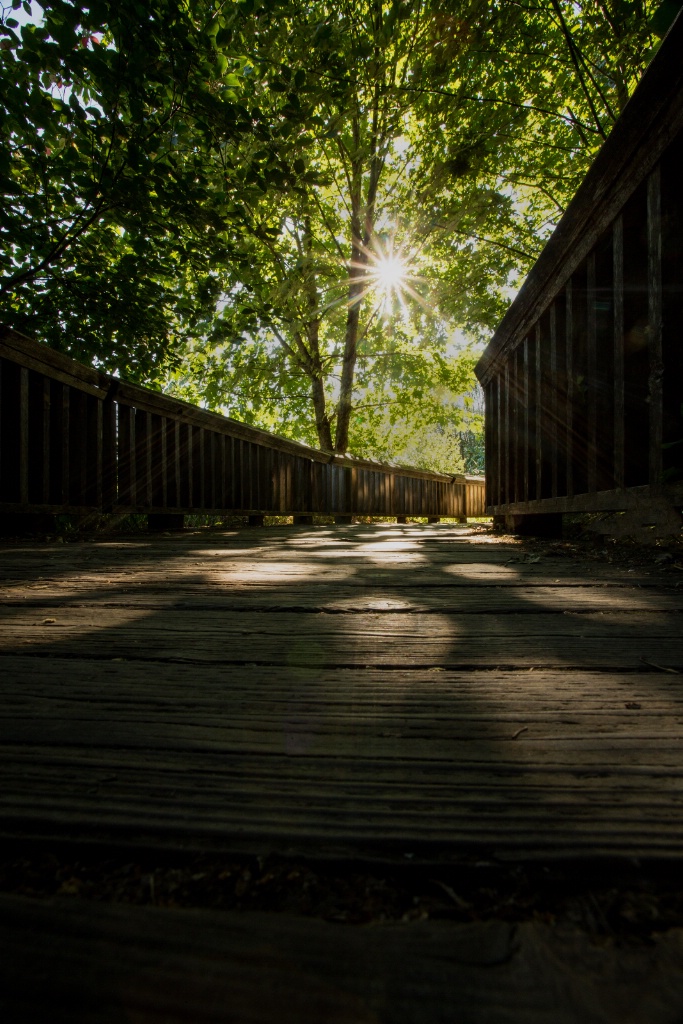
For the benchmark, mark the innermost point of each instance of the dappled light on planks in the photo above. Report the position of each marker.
(360, 692)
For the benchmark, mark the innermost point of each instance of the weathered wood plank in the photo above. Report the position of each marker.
(213, 595)
(305, 803)
(130, 725)
(493, 691)
(608, 639)
(98, 961)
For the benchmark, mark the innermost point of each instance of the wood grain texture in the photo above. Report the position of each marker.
(362, 692)
(114, 963)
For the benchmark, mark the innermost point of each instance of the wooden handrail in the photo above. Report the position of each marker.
(582, 377)
(75, 439)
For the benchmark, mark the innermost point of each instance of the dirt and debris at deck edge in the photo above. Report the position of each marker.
(611, 902)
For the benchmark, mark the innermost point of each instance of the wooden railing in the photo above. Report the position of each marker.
(584, 377)
(73, 439)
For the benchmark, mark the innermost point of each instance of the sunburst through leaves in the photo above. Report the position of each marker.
(388, 275)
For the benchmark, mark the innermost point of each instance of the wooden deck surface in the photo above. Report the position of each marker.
(401, 692)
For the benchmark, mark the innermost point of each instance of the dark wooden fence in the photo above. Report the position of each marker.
(75, 440)
(584, 377)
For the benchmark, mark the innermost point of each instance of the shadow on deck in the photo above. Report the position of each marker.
(392, 695)
(375, 692)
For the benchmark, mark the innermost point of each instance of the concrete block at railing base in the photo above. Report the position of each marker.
(159, 522)
(256, 520)
(534, 524)
(343, 520)
(21, 524)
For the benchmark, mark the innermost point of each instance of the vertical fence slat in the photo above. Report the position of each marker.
(200, 449)
(275, 488)
(240, 502)
(525, 420)
(569, 370)
(505, 433)
(10, 457)
(654, 291)
(23, 435)
(245, 490)
(173, 451)
(552, 398)
(126, 437)
(159, 449)
(65, 431)
(79, 447)
(211, 470)
(289, 483)
(498, 498)
(109, 452)
(46, 396)
(166, 462)
(222, 470)
(592, 375)
(143, 438)
(95, 465)
(36, 453)
(538, 412)
(618, 292)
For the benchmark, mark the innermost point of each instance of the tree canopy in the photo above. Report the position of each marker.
(299, 212)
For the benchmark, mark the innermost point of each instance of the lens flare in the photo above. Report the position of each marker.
(390, 273)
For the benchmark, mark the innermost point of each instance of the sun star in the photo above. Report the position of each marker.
(390, 273)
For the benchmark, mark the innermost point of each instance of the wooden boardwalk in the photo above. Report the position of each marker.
(370, 692)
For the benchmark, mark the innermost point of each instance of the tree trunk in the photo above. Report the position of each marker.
(322, 420)
(341, 441)
(356, 274)
(362, 228)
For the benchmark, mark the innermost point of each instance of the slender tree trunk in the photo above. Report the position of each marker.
(315, 369)
(344, 407)
(322, 420)
(362, 228)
